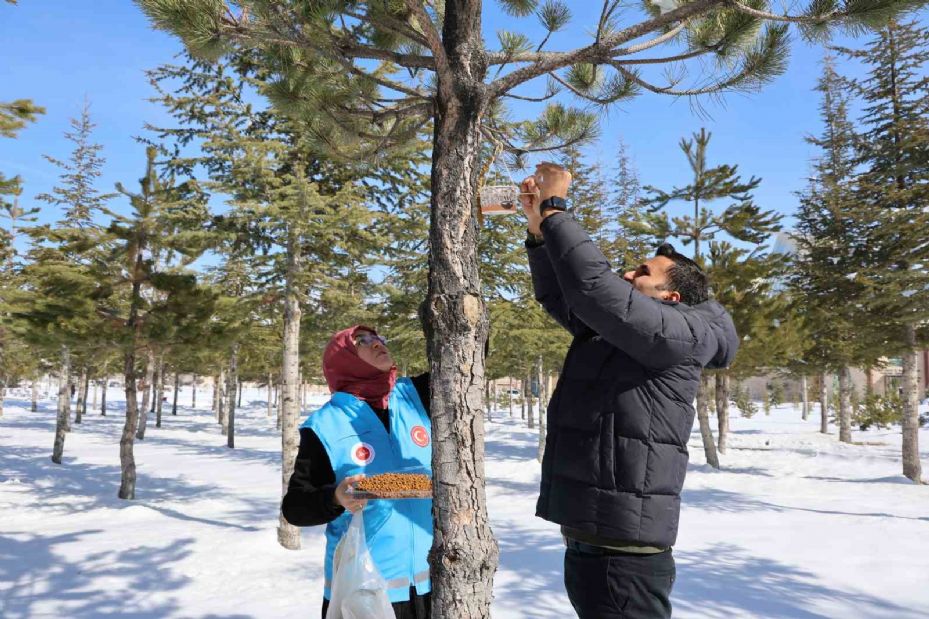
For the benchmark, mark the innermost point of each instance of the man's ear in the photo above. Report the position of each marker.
(671, 295)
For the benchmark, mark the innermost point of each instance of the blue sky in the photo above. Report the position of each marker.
(56, 52)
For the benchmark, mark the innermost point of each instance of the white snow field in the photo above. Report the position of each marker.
(795, 525)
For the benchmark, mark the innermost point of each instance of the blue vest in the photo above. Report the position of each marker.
(398, 532)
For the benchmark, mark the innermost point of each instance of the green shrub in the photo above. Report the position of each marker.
(882, 411)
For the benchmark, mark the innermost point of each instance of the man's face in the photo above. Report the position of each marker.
(373, 351)
(651, 277)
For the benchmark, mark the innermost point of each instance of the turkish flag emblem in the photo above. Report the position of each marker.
(420, 436)
(362, 453)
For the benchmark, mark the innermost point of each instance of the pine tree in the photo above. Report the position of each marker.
(829, 246)
(893, 189)
(369, 76)
(631, 244)
(735, 269)
(147, 304)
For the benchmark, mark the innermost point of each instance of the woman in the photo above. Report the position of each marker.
(374, 423)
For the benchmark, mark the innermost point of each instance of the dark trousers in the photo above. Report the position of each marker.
(604, 584)
(418, 607)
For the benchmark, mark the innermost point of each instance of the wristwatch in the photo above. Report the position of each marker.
(553, 203)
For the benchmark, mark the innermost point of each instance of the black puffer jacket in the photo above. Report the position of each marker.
(620, 417)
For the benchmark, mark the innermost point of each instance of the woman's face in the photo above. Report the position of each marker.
(373, 351)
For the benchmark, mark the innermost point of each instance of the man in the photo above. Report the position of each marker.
(619, 419)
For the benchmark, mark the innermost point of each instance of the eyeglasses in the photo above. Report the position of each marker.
(368, 339)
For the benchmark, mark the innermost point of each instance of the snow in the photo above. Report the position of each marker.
(795, 525)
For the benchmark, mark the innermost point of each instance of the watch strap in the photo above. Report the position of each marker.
(553, 203)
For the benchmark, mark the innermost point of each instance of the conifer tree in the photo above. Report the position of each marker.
(741, 220)
(893, 190)
(829, 246)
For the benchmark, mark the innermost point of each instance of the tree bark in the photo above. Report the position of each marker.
(239, 404)
(85, 387)
(270, 392)
(233, 383)
(287, 534)
(160, 391)
(703, 417)
(522, 399)
(35, 395)
(126, 455)
(93, 403)
(146, 393)
(543, 409)
(177, 387)
(804, 397)
(64, 404)
(823, 405)
(106, 382)
(215, 404)
(222, 404)
(722, 409)
(529, 400)
(845, 405)
(80, 396)
(509, 396)
(911, 464)
(464, 553)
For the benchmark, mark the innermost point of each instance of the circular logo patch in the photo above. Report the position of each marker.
(420, 436)
(362, 454)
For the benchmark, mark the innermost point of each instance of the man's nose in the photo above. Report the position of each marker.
(629, 276)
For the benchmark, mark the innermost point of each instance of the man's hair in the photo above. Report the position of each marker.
(685, 277)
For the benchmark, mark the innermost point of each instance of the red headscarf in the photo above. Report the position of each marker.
(346, 371)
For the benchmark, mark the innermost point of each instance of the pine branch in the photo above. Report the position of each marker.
(598, 52)
(434, 40)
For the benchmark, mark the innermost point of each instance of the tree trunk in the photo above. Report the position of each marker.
(222, 404)
(722, 408)
(35, 395)
(146, 393)
(280, 406)
(845, 405)
(287, 534)
(64, 404)
(529, 400)
(93, 404)
(804, 397)
(193, 395)
(106, 382)
(233, 383)
(464, 553)
(270, 392)
(522, 399)
(177, 387)
(215, 404)
(241, 385)
(86, 387)
(543, 409)
(703, 416)
(159, 391)
(509, 396)
(79, 403)
(823, 405)
(126, 455)
(911, 465)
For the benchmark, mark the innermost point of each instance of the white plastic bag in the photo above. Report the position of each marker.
(358, 589)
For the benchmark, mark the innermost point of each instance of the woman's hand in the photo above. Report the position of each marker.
(345, 499)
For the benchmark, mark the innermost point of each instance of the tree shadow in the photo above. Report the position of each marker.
(727, 581)
(712, 499)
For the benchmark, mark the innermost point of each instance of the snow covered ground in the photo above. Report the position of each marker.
(795, 525)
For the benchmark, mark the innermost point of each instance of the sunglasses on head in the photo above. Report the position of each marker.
(367, 339)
